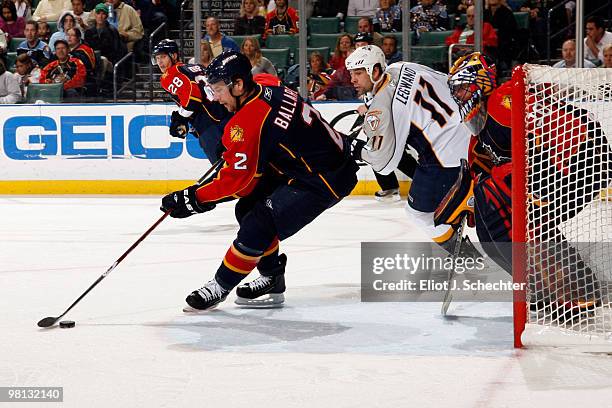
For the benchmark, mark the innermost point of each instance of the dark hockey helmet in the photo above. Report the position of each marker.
(229, 66)
(165, 46)
(471, 80)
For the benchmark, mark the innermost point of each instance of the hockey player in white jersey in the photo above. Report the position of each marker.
(412, 108)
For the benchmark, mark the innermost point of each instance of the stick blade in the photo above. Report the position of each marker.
(47, 322)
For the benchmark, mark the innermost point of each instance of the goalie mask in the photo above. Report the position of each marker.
(471, 80)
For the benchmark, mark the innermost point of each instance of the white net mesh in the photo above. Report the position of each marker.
(569, 218)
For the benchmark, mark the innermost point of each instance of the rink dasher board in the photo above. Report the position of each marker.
(105, 148)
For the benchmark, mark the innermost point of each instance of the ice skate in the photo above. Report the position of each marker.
(267, 291)
(205, 298)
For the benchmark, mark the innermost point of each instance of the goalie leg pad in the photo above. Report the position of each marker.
(493, 215)
(459, 201)
(439, 234)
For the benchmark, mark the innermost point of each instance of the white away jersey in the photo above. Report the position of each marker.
(413, 106)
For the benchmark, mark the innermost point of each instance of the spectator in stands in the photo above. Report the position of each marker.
(9, 86)
(262, 7)
(4, 44)
(330, 8)
(26, 73)
(105, 38)
(344, 46)
(282, 20)
(50, 10)
(568, 51)
(362, 8)
(392, 54)
(538, 16)
(607, 56)
(319, 75)
(66, 21)
(249, 22)
(24, 9)
(205, 54)
(339, 87)
(388, 17)
(364, 25)
(66, 70)
(362, 39)
(465, 35)
(428, 16)
(128, 23)
(86, 54)
(218, 41)
(82, 51)
(463, 5)
(596, 39)
(10, 23)
(502, 19)
(152, 13)
(260, 64)
(37, 49)
(44, 31)
(82, 16)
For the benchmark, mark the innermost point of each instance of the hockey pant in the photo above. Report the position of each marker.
(273, 212)
(429, 186)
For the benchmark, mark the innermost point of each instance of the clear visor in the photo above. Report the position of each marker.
(218, 88)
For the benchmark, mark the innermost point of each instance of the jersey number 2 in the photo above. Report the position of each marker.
(239, 165)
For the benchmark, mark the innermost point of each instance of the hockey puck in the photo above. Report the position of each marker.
(67, 324)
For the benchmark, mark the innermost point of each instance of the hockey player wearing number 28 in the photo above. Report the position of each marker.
(186, 85)
(283, 163)
(411, 109)
(185, 82)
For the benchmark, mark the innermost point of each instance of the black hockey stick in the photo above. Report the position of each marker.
(448, 295)
(50, 321)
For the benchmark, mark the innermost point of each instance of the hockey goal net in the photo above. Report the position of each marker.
(562, 216)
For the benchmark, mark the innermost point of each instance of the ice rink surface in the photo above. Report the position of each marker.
(134, 347)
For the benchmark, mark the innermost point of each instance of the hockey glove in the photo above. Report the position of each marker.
(354, 146)
(179, 125)
(183, 203)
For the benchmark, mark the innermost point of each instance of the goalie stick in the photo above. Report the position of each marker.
(448, 295)
(50, 321)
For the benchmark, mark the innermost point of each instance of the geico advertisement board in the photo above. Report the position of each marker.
(105, 142)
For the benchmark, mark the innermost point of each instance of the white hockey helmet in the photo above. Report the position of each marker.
(366, 57)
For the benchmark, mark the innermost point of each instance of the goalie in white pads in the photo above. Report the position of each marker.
(411, 109)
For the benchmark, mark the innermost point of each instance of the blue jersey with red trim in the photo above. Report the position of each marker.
(275, 130)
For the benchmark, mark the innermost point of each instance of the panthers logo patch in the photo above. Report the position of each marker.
(236, 133)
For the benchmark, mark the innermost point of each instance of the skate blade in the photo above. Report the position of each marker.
(269, 301)
(191, 310)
